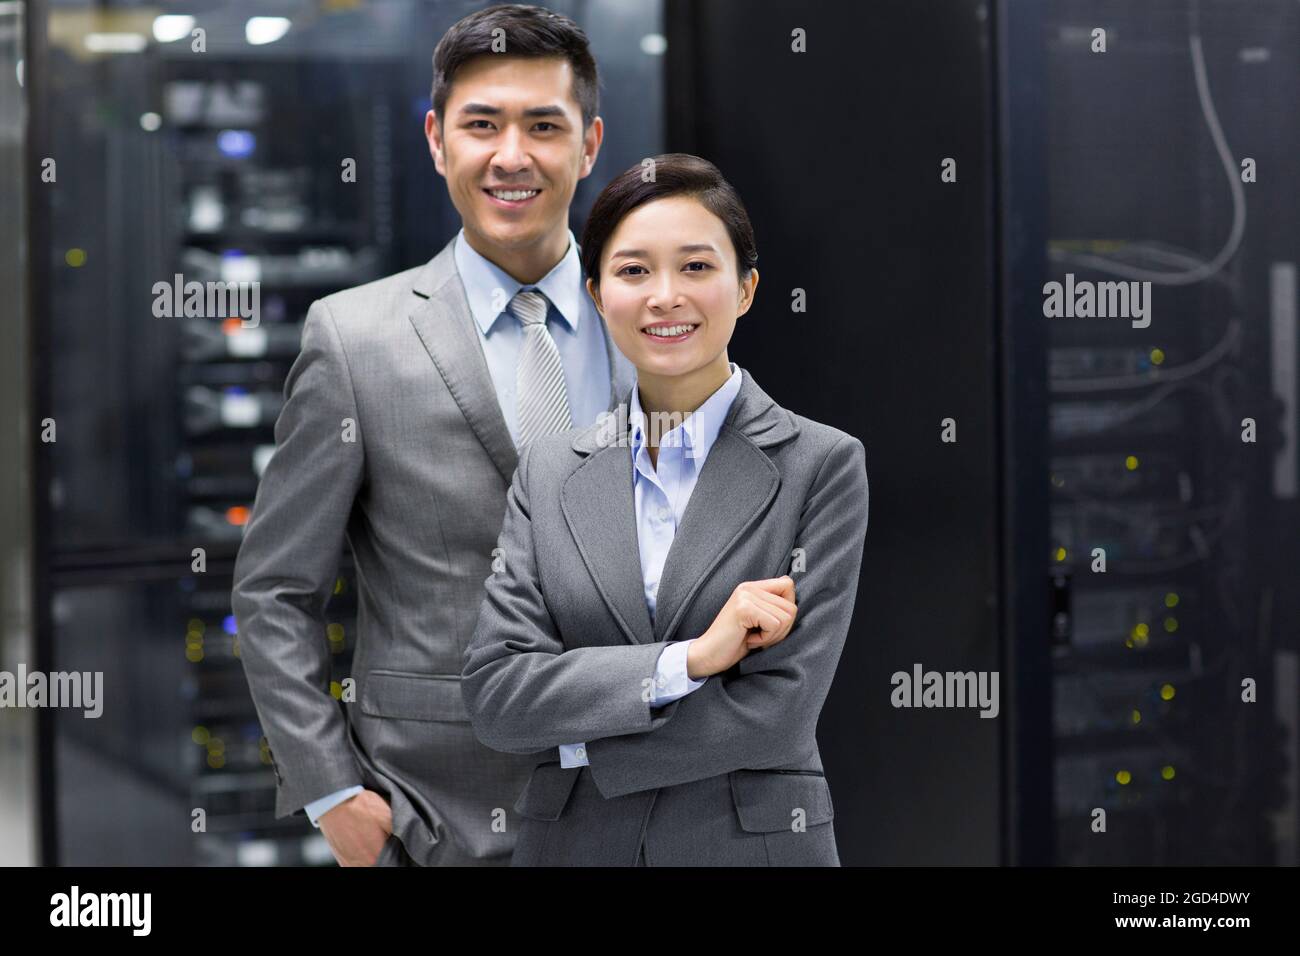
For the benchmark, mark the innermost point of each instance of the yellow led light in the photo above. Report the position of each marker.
(1141, 630)
(1171, 599)
(1124, 777)
(334, 632)
(336, 690)
(199, 735)
(1131, 462)
(1167, 692)
(1137, 716)
(1060, 554)
(75, 258)
(1171, 624)
(1157, 356)
(1167, 772)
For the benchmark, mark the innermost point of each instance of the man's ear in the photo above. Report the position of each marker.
(591, 146)
(433, 134)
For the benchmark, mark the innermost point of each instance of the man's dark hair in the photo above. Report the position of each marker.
(526, 31)
(675, 174)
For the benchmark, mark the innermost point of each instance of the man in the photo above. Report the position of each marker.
(404, 417)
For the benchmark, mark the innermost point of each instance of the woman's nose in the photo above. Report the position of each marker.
(664, 293)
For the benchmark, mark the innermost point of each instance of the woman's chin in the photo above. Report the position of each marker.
(663, 366)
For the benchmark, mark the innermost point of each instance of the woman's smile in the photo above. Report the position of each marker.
(669, 333)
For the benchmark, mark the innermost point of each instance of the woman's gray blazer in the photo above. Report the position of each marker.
(564, 650)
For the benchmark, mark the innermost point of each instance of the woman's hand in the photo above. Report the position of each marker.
(758, 614)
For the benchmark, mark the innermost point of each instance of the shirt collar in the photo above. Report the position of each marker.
(698, 431)
(563, 285)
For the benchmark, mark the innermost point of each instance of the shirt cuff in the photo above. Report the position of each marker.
(317, 808)
(671, 680)
(573, 755)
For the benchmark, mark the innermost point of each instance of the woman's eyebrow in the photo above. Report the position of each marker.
(690, 247)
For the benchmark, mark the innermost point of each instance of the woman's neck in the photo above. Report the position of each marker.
(677, 396)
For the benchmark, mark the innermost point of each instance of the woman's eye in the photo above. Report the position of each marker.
(624, 270)
(702, 265)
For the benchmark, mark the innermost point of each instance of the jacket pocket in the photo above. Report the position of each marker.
(413, 696)
(768, 801)
(547, 791)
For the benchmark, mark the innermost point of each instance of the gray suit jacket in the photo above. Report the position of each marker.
(420, 494)
(564, 650)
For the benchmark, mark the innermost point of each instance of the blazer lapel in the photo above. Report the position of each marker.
(445, 325)
(733, 490)
(599, 509)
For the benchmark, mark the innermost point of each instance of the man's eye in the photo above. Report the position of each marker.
(473, 124)
(551, 125)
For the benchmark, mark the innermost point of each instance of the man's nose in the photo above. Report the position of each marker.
(511, 156)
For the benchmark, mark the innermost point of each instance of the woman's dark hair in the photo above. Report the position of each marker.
(528, 31)
(672, 174)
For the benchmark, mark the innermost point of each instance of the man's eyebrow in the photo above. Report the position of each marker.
(487, 109)
(692, 247)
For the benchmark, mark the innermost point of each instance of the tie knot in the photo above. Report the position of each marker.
(529, 307)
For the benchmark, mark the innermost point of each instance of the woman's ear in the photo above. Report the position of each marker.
(747, 287)
(593, 290)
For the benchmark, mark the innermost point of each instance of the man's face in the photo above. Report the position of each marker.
(511, 124)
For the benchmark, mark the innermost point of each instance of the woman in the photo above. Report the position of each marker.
(641, 630)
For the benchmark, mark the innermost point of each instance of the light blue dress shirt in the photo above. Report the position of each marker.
(574, 324)
(577, 333)
(661, 494)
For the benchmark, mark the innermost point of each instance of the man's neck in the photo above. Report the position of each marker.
(525, 264)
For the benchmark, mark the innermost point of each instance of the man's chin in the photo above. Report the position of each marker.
(510, 235)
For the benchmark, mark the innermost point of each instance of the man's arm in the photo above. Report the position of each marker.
(287, 565)
(524, 691)
(764, 712)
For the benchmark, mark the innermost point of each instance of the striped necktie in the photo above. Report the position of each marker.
(539, 378)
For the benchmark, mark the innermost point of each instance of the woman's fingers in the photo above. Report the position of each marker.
(754, 612)
(778, 615)
(783, 585)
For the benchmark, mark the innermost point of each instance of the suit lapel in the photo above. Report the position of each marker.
(734, 489)
(445, 325)
(601, 514)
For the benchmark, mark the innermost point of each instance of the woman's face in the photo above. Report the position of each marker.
(670, 263)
